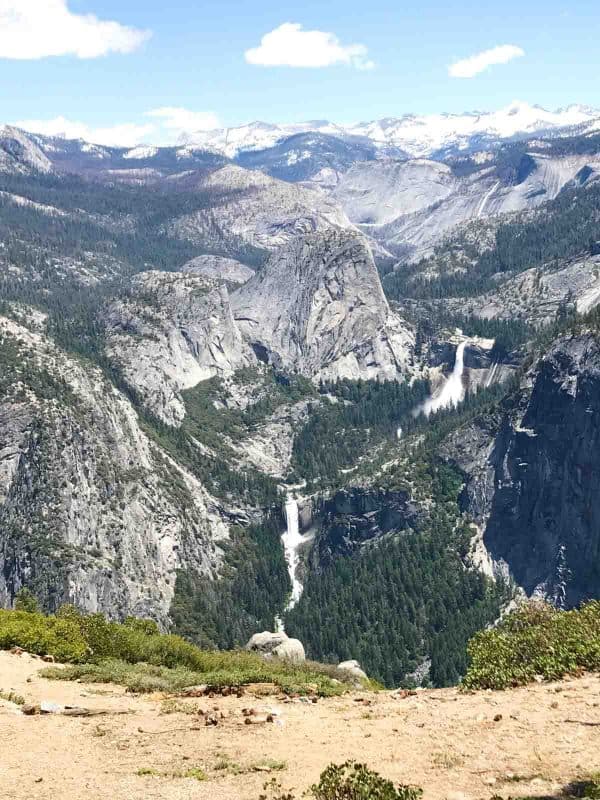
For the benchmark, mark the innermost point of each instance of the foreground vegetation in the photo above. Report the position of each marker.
(536, 640)
(352, 781)
(136, 655)
(348, 781)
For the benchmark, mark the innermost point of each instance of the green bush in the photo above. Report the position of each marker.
(110, 651)
(535, 640)
(25, 601)
(349, 781)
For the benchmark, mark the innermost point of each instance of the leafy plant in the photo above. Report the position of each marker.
(348, 781)
(352, 781)
(535, 640)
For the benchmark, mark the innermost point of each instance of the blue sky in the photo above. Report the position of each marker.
(392, 58)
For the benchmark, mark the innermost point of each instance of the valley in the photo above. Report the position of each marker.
(338, 382)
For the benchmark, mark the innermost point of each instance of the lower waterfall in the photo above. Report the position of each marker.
(292, 539)
(452, 392)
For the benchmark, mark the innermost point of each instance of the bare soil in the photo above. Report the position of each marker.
(528, 741)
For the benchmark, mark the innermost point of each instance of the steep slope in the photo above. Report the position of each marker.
(318, 307)
(532, 473)
(173, 331)
(91, 510)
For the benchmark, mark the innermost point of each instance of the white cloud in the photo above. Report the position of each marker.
(127, 134)
(469, 67)
(173, 125)
(182, 121)
(32, 29)
(291, 46)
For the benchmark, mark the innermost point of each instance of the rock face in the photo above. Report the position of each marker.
(353, 517)
(409, 206)
(318, 307)
(277, 645)
(532, 474)
(174, 331)
(91, 511)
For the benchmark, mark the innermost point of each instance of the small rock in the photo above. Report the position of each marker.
(29, 709)
(489, 781)
(498, 718)
(49, 659)
(194, 691)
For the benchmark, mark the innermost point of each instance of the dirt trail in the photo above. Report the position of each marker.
(454, 746)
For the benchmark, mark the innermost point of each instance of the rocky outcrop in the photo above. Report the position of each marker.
(91, 510)
(173, 331)
(219, 269)
(532, 472)
(317, 307)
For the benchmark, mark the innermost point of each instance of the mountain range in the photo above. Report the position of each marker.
(415, 135)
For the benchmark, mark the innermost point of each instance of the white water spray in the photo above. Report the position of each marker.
(452, 392)
(292, 539)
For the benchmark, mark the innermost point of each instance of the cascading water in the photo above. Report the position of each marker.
(292, 539)
(452, 392)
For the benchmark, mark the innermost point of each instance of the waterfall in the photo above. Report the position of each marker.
(292, 539)
(452, 392)
(492, 375)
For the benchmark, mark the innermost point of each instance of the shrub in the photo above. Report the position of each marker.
(348, 781)
(351, 781)
(42, 635)
(535, 640)
(25, 601)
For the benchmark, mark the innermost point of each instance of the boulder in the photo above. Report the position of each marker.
(266, 642)
(278, 645)
(291, 650)
(353, 669)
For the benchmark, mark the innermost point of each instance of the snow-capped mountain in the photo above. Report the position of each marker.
(417, 135)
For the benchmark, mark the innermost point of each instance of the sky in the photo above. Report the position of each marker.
(125, 71)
